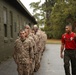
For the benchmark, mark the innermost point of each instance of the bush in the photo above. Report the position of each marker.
(49, 34)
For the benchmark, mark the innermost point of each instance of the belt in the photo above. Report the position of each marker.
(70, 49)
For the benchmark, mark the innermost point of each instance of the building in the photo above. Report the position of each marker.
(13, 17)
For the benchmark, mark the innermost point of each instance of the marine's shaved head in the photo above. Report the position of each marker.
(68, 28)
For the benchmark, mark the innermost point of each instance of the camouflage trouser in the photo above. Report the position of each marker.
(70, 56)
(37, 62)
(32, 66)
(23, 69)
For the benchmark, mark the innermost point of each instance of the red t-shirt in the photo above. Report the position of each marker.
(69, 40)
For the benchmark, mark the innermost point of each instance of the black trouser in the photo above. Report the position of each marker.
(70, 56)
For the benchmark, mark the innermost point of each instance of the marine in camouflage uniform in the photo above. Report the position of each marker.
(38, 56)
(44, 38)
(31, 38)
(23, 54)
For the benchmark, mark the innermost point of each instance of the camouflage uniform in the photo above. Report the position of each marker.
(31, 38)
(22, 55)
(42, 42)
(38, 55)
(44, 38)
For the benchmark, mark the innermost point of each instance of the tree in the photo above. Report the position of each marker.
(62, 13)
(49, 4)
(58, 14)
(38, 12)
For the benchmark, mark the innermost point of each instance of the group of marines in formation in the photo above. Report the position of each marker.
(29, 48)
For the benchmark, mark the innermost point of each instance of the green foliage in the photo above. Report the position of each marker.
(48, 31)
(49, 34)
(58, 14)
(35, 5)
(62, 13)
(38, 12)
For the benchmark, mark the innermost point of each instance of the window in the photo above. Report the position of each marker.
(24, 23)
(18, 22)
(29, 24)
(5, 30)
(15, 25)
(11, 24)
(0, 23)
(5, 21)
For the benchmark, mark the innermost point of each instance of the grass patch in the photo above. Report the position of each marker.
(53, 41)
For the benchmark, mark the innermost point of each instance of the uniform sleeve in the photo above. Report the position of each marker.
(31, 52)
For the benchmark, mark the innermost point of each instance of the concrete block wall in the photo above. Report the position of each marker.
(19, 21)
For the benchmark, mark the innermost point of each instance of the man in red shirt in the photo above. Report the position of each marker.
(68, 42)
